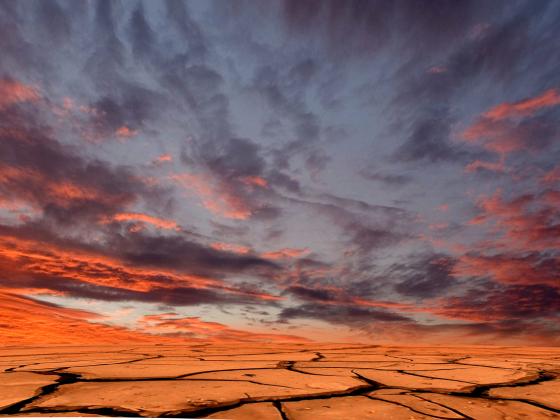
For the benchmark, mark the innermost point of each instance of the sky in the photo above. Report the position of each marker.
(280, 171)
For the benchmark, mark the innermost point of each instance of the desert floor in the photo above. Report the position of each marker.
(292, 381)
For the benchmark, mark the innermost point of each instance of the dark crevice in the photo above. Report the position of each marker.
(406, 406)
(102, 411)
(280, 409)
(482, 390)
(318, 358)
(63, 379)
(405, 372)
(443, 405)
(359, 390)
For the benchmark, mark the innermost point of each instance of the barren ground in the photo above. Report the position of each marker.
(292, 381)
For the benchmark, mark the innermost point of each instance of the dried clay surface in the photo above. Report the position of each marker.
(291, 381)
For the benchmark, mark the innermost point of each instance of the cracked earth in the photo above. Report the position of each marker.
(292, 381)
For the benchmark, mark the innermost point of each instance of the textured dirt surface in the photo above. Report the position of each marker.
(292, 381)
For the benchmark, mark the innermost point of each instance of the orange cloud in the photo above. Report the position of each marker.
(509, 269)
(528, 222)
(524, 107)
(125, 132)
(25, 321)
(62, 193)
(24, 259)
(255, 181)
(285, 253)
(13, 92)
(19, 257)
(173, 325)
(163, 158)
(145, 218)
(497, 132)
(490, 166)
(496, 136)
(237, 249)
(215, 197)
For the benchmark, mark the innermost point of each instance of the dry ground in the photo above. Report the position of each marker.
(292, 381)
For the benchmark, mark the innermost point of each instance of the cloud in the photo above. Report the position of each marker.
(509, 268)
(285, 253)
(26, 321)
(171, 324)
(391, 180)
(423, 277)
(230, 178)
(146, 218)
(429, 141)
(524, 107)
(355, 28)
(217, 198)
(527, 222)
(14, 92)
(53, 178)
(122, 113)
(163, 159)
(517, 302)
(340, 314)
(504, 136)
(80, 270)
(509, 128)
(235, 248)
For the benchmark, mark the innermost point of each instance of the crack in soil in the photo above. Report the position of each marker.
(406, 406)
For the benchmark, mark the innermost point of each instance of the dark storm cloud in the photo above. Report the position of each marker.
(179, 296)
(340, 314)
(494, 303)
(130, 106)
(365, 227)
(313, 294)
(423, 277)
(392, 180)
(179, 253)
(45, 173)
(363, 27)
(429, 140)
(234, 158)
(284, 181)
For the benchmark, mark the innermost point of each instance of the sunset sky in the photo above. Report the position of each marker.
(371, 171)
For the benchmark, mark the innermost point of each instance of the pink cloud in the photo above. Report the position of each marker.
(124, 132)
(13, 92)
(215, 197)
(524, 107)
